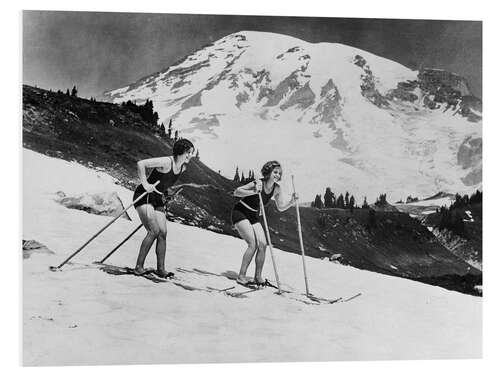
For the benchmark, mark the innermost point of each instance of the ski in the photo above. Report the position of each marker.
(351, 298)
(230, 293)
(323, 300)
(150, 275)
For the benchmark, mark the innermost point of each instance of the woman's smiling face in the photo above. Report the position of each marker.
(276, 174)
(188, 155)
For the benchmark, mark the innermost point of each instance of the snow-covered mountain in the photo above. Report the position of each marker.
(334, 115)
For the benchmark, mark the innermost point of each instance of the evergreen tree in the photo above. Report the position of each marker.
(317, 202)
(176, 137)
(365, 203)
(352, 202)
(328, 198)
(169, 134)
(477, 197)
(381, 200)
(67, 92)
(340, 201)
(243, 179)
(346, 199)
(74, 91)
(162, 129)
(236, 177)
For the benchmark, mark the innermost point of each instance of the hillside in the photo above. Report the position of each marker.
(109, 137)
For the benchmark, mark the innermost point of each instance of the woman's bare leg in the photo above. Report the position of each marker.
(261, 252)
(161, 242)
(148, 219)
(246, 232)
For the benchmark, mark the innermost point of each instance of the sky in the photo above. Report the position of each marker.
(99, 51)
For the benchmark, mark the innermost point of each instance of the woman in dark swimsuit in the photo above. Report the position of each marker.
(245, 217)
(151, 208)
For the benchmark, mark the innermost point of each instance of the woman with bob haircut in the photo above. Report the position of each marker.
(245, 218)
(151, 208)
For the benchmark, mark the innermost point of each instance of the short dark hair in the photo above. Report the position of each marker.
(181, 146)
(269, 167)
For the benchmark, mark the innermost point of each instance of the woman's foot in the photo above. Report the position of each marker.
(259, 281)
(139, 271)
(164, 274)
(243, 280)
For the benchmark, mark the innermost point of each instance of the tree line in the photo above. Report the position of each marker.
(240, 178)
(330, 200)
(451, 218)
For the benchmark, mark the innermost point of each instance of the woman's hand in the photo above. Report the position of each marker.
(150, 188)
(294, 198)
(258, 186)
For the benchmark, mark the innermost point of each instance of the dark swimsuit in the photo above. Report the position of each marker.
(248, 207)
(158, 201)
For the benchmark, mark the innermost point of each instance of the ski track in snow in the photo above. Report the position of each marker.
(83, 316)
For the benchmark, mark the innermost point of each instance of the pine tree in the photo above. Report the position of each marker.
(243, 179)
(162, 129)
(67, 92)
(317, 202)
(340, 201)
(346, 199)
(155, 118)
(74, 91)
(176, 136)
(169, 134)
(328, 198)
(352, 202)
(236, 177)
(365, 204)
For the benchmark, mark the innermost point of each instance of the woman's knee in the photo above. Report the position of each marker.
(261, 246)
(153, 231)
(251, 244)
(162, 233)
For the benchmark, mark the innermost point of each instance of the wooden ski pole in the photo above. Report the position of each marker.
(269, 243)
(299, 228)
(119, 245)
(52, 268)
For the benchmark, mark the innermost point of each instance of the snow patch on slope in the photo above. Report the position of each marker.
(130, 320)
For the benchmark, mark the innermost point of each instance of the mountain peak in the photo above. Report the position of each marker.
(339, 115)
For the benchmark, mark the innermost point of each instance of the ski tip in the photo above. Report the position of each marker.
(54, 269)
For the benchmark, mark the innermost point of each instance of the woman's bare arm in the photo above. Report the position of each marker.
(281, 202)
(246, 190)
(163, 163)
